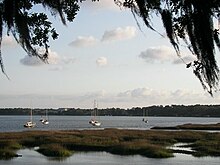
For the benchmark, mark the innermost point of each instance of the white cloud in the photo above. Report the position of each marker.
(67, 60)
(119, 33)
(158, 54)
(9, 41)
(138, 93)
(141, 97)
(84, 41)
(186, 59)
(57, 68)
(53, 58)
(31, 61)
(101, 61)
(147, 96)
(100, 5)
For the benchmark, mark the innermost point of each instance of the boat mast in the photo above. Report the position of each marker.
(95, 109)
(31, 115)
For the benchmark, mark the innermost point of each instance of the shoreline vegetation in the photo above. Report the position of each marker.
(149, 143)
(155, 110)
(190, 126)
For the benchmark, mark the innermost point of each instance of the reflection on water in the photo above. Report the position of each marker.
(181, 146)
(31, 157)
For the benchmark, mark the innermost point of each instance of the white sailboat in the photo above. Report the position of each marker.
(94, 121)
(30, 123)
(45, 120)
(144, 117)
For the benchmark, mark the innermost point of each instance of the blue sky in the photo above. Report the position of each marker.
(102, 55)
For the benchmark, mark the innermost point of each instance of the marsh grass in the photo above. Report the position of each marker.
(147, 143)
(54, 150)
(10, 144)
(190, 126)
(206, 148)
(8, 149)
(141, 148)
(7, 154)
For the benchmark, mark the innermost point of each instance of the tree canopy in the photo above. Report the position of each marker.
(190, 21)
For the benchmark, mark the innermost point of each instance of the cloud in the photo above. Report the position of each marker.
(158, 54)
(186, 59)
(57, 68)
(9, 41)
(84, 41)
(100, 5)
(67, 60)
(101, 61)
(119, 33)
(137, 93)
(146, 96)
(53, 59)
(138, 97)
(31, 61)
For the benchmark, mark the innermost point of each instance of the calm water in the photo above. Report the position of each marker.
(15, 123)
(31, 157)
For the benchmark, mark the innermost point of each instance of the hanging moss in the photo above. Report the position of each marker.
(192, 22)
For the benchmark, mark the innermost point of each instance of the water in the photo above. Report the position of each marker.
(15, 123)
(30, 156)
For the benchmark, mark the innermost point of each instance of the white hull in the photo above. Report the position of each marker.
(45, 122)
(29, 124)
(95, 123)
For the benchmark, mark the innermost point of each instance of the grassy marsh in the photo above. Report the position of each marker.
(149, 143)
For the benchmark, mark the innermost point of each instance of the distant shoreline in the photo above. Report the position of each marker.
(190, 126)
(155, 110)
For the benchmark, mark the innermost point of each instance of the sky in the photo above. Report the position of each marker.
(102, 55)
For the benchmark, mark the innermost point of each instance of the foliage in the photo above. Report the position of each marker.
(156, 110)
(32, 30)
(188, 20)
(192, 22)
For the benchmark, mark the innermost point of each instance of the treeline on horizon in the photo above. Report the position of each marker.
(156, 110)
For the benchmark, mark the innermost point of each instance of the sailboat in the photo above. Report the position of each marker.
(94, 121)
(144, 117)
(45, 120)
(30, 123)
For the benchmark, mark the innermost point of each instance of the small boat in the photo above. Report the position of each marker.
(45, 120)
(145, 120)
(42, 119)
(30, 124)
(94, 122)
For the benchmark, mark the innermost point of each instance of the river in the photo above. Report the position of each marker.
(31, 157)
(15, 123)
